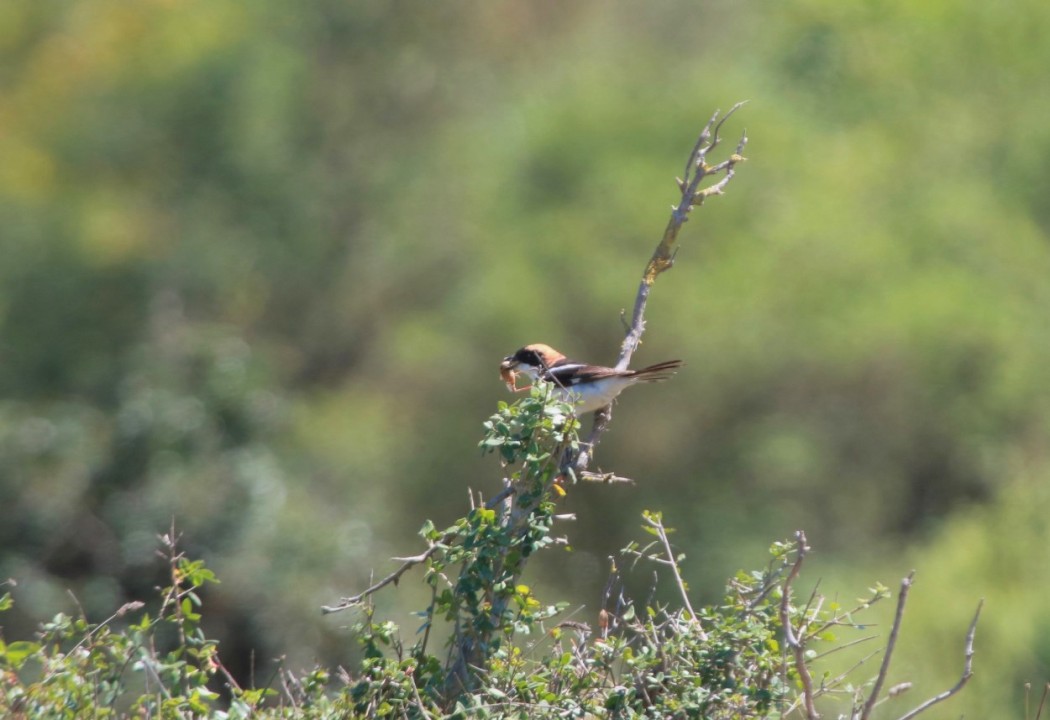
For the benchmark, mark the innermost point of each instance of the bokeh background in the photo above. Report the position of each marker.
(258, 263)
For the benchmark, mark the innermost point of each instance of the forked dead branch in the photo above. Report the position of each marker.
(694, 192)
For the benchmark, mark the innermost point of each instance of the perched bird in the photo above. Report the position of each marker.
(588, 386)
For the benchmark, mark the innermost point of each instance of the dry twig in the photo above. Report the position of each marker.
(605, 478)
(693, 195)
(798, 648)
(672, 561)
(966, 675)
(407, 563)
(1042, 703)
(898, 618)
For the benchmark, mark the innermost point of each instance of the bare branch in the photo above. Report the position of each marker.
(692, 195)
(798, 648)
(1038, 713)
(407, 563)
(602, 416)
(419, 704)
(851, 669)
(966, 675)
(829, 685)
(661, 533)
(843, 646)
(606, 478)
(902, 598)
(1042, 703)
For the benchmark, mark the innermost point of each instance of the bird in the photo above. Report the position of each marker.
(588, 387)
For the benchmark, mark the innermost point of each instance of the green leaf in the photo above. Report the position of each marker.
(16, 653)
(428, 531)
(187, 610)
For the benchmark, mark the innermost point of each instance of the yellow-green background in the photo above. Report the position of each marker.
(259, 260)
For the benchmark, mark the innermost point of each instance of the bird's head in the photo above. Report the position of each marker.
(531, 360)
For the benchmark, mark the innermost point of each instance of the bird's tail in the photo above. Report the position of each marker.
(657, 372)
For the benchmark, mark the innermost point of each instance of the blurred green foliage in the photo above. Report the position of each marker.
(260, 260)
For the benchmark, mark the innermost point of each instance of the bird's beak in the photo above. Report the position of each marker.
(509, 363)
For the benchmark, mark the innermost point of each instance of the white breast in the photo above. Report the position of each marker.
(593, 395)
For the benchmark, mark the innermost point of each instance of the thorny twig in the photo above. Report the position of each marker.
(693, 195)
(605, 478)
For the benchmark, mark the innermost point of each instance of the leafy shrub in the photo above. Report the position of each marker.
(509, 655)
